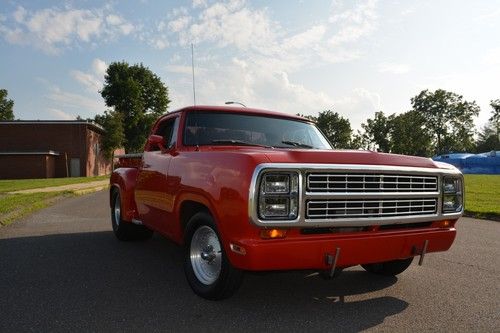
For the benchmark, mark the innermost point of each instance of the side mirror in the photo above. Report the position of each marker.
(156, 140)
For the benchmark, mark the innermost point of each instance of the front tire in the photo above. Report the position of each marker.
(207, 268)
(125, 231)
(389, 268)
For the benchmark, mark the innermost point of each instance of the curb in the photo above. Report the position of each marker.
(89, 190)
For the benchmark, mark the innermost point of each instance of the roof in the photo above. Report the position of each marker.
(243, 110)
(92, 125)
(48, 152)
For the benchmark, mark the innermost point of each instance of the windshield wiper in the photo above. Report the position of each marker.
(296, 144)
(239, 142)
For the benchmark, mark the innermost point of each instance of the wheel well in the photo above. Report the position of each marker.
(112, 190)
(189, 209)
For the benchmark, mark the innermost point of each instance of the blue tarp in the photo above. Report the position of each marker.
(485, 163)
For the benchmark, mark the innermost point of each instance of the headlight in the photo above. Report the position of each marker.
(278, 196)
(452, 195)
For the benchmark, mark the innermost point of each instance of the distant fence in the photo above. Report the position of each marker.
(487, 163)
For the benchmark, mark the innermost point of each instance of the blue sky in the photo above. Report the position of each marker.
(354, 57)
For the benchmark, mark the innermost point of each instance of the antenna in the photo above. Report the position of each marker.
(192, 66)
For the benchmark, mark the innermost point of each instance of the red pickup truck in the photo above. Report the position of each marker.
(252, 190)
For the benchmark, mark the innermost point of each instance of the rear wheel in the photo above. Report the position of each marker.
(207, 268)
(389, 268)
(125, 231)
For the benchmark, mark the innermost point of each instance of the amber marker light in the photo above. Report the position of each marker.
(444, 224)
(272, 233)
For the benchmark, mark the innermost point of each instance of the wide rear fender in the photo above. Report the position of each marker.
(123, 180)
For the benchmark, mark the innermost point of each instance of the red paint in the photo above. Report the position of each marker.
(218, 177)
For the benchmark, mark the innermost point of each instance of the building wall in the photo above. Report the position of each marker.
(70, 140)
(97, 164)
(27, 166)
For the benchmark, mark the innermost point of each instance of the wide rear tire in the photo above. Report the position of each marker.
(207, 268)
(389, 268)
(125, 231)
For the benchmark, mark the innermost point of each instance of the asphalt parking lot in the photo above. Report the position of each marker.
(63, 270)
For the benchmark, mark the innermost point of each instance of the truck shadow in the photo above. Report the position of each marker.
(92, 282)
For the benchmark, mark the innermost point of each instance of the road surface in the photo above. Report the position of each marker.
(63, 270)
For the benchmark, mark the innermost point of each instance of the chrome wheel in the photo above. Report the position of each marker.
(116, 210)
(206, 255)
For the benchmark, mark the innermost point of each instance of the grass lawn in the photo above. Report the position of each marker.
(16, 206)
(11, 185)
(482, 196)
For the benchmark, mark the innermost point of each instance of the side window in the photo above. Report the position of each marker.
(168, 130)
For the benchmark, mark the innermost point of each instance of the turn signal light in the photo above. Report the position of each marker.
(443, 224)
(272, 233)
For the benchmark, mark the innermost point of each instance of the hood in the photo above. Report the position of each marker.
(314, 156)
(347, 157)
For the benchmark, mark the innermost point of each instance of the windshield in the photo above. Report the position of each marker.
(211, 128)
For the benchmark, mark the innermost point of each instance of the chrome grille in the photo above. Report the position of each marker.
(373, 183)
(339, 208)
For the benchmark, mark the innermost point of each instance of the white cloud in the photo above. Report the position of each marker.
(94, 80)
(179, 23)
(59, 114)
(354, 23)
(53, 29)
(65, 99)
(181, 69)
(19, 14)
(231, 23)
(359, 105)
(159, 43)
(492, 57)
(88, 103)
(199, 3)
(265, 55)
(393, 68)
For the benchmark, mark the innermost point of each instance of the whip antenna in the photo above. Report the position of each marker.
(192, 66)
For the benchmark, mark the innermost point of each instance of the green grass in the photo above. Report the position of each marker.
(11, 185)
(482, 196)
(16, 206)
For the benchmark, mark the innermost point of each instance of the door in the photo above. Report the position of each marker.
(154, 204)
(74, 169)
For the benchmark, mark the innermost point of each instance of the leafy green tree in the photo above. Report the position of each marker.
(488, 139)
(114, 137)
(6, 106)
(409, 135)
(495, 117)
(336, 128)
(139, 96)
(377, 132)
(449, 119)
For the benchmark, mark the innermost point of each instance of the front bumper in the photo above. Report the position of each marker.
(308, 252)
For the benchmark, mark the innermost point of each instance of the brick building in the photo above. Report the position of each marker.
(51, 148)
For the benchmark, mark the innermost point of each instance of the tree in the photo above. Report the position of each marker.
(409, 136)
(6, 106)
(495, 117)
(449, 119)
(139, 96)
(377, 132)
(336, 128)
(488, 139)
(114, 137)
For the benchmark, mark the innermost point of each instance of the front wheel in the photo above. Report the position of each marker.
(207, 268)
(389, 268)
